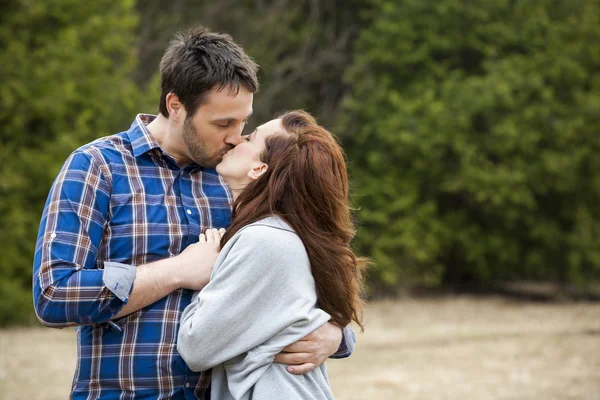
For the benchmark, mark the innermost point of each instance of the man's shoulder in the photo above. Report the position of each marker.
(105, 150)
(117, 144)
(102, 154)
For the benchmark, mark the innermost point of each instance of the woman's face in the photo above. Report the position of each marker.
(242, 164)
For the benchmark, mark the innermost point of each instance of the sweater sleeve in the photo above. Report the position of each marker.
(261, 285)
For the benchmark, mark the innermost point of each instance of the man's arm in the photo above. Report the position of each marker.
(346, 347)
(328, 341)
(190, 270)
(68, 288)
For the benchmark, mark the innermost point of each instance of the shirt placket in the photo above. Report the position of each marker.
(192, 213)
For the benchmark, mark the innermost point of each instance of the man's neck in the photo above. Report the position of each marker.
(171, 142)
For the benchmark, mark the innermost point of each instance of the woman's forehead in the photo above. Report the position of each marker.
(269, 128)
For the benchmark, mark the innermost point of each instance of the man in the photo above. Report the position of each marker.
(117, 253)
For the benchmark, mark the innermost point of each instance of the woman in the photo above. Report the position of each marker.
(286, 251)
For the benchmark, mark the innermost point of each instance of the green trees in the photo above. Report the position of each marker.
(473, 129)
(302, 46)
(471, 126)
(64, 81)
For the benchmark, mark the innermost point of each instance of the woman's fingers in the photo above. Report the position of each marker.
(212, 235)
(210, 238)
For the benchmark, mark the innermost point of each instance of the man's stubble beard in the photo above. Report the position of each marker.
(196, 147)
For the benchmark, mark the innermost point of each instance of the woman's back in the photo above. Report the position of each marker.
(271, 381)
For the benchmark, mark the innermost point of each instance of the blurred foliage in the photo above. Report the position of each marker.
(302, 46)
(471, 127)
(64, 81)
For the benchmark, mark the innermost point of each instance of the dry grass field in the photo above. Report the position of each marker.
(451, 348)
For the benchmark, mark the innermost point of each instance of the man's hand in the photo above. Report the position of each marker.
(312, 350)
(194, 265)
(190, 270)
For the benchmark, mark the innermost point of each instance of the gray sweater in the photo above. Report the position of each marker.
(261, 298)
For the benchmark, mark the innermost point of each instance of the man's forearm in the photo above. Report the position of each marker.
(152, 282)
(189, 270)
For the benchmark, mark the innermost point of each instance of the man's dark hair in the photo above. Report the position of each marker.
(198, 61)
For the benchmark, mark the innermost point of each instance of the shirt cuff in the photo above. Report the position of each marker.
(118, 278)
(347, 346)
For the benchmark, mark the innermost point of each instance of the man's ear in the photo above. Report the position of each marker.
(257, 171)
(176, 110)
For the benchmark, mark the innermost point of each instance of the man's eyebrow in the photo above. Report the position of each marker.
(224, 120)
(230, 119)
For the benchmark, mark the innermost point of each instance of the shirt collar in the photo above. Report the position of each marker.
(140, 138)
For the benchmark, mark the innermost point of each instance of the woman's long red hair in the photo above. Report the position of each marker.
(306, 183)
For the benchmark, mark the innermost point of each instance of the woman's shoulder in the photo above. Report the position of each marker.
(273, 225)
(270, 231)
(273, 222)
(268, 248)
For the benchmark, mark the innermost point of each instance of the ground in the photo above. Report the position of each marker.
(450, 348)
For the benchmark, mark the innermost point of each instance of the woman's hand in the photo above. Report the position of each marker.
(312, 350)
(212, 236)
(195, 263)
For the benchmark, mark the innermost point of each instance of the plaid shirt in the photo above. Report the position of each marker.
(119, 202)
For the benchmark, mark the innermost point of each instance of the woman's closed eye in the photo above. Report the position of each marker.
(248, 138)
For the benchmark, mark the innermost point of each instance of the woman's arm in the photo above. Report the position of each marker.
(261, 285)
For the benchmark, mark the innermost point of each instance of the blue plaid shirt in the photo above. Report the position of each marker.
(119, 202)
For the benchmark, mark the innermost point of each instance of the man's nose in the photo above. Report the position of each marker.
(234, 139)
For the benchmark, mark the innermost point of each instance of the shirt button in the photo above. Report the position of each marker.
(187, 385)
(53, 235)
(189, 212)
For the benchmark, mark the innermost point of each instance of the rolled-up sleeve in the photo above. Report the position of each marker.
(347, 346)
(69, 287)
(118, 278)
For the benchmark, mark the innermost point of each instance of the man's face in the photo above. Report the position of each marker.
(217, 125)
